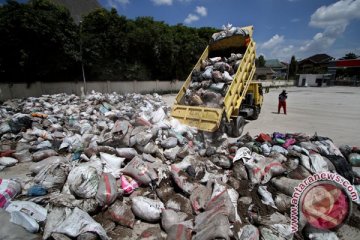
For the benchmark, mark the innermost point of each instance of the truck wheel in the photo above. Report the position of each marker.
(256, 113)
(238, 126)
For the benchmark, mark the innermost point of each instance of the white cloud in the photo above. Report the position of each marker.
(201, 10)
(191, 18)
(115, 3)
(339, 13)
(273, 42)
(123, 2)
(334, 19)
(294, 20)
(162, 2)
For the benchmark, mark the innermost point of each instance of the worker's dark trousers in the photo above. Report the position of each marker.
(282, 104)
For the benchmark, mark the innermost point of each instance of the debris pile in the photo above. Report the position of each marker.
(229, 31)
(209, 84)
(107, 165)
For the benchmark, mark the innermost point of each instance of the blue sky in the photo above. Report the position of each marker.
(282, 27)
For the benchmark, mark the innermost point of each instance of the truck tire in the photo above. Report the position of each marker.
(238, 126)
(256, 113)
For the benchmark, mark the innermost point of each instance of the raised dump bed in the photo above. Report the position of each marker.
(242, 99)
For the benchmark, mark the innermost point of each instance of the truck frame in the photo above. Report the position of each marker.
(243, 98)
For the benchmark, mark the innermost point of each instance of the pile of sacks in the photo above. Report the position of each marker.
(209, 85)
(228, 31)
(104, 166)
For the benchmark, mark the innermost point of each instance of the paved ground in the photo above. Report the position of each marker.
(330, 111)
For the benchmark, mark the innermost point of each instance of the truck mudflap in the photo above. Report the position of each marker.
(205, 119)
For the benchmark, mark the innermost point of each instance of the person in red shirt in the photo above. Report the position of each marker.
(282, 101)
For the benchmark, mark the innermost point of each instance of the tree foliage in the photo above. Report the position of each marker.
(261, 61)
(350, 55)
(40, 41)
(293, 68)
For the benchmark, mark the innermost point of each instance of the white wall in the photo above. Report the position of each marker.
(22, 90)
(310, 79)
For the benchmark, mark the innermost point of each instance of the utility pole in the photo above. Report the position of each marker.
(81, 59)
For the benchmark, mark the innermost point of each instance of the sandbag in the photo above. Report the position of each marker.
(52, 176)
(143, 138)
(172, 153)
(220, 199)
(25, 221)
(23, 156)
(121, 213)
(279, 149)
(199, 197)
(79, 222)
(211, 225)
(112, 164)
(40, 133)
(169, 217)
(299, 173)
(243, 153)
(266, 149)
(248, 232)
(127, 153)
(107, 190)
(285, 185)
(149, 148)
(11, 231)
(36, 167)
(179, 232)
(42, 154)
(27, 214)
(226, 76)
(170, 142)
(234, 197)
(147, 209)
(318, 164)
(239, 171)
(83, 181)
(158, 116)
(282, 202)
(342, 166)
(140, 171)
(8, 190)
(266, 196)
(261, 169)
(180, 203)
(182, 181)
(8, 161)
(33, 210)
(207, 74)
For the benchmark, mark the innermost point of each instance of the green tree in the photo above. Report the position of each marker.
(350, 55)
(260, 61)
(293, 67)
(38, 42)
(105, 44)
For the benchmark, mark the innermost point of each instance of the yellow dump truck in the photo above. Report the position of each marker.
(243, 98)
